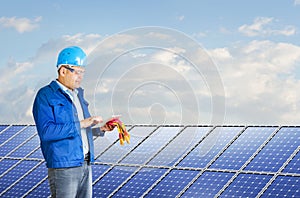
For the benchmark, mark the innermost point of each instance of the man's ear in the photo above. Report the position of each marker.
(62, 71)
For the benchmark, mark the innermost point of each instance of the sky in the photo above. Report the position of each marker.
(158, 62)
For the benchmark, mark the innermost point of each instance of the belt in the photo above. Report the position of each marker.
(87, 157)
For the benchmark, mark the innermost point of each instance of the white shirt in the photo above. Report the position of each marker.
(74, 97)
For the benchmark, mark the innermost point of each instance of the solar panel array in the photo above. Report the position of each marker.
(167, 161)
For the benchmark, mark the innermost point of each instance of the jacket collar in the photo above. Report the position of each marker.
(56, 87)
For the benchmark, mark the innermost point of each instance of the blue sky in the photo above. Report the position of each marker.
(147, 63)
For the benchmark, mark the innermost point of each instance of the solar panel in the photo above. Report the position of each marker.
(27, 148)
(15, 174)
(243, 148)
(140, 182)
(9, 133)
(2, 127)
(209, 184)
(210, 147)
(27, 182)
(167, 161)
(151, 145)
(42, 190)
(16, 141)
(293, 166)
(246, 185)
(277, 150)
(180, 145)
(284, 186)
(5, 164)
(116, 152)
(114, 178)
(172, 183)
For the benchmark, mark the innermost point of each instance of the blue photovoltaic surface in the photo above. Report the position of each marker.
(98, 170)
(41, 191)
(2, 127)
(294, 165)
(17, 140)
(208, 184)
(284, 186)
(102, 143)
(15, 174)
(27, 182)
(112, 180)
(163, 161)
(8, 133)
(243, 148)
(210, 147)
(27, 148)
(137, 185)
(181, 144)
(116, 152)
(277, 151)
(37, 154)
(5, 164)
(151, 146)
(246, 185)
(173, 183)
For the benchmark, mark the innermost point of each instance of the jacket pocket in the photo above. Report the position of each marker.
(61, 111)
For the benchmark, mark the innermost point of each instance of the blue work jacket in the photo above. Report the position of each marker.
(58, 127)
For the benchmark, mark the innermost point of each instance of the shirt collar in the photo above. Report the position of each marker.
(67, 90)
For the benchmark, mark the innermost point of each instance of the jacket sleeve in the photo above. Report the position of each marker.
(47, 127)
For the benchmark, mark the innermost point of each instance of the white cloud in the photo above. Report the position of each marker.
(262, 27)
(221, 53)
(21, 79)
(259, 82)
(256, 28)
(20, 24)
(297, 2)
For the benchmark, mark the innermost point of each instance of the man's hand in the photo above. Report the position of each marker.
(90, 121)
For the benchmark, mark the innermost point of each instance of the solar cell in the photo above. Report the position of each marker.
(246, 185)
(41, 190)
(36, 154)
(115, 177)
(138, 184)
(210, 147)
(284, 186)
(2, 127)
(116, 152)
(27, 183)
(101, 144)
(27, 148)
(151, 145)
(15, 174)
(172, 184)
(243, 148)
(294, 165)
(10, 132)
(208, 184)
(17, 140)
(277, 151)
(98, 170)
(181, 144)
(5, 164)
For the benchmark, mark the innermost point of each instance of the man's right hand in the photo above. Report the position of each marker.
(90, 121)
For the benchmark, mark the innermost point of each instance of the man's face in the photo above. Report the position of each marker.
(72, 76)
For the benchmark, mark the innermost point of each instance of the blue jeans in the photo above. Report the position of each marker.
(75, 182)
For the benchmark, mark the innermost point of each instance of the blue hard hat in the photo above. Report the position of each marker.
(73, 56)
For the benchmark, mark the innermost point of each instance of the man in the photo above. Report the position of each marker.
(64, 125)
